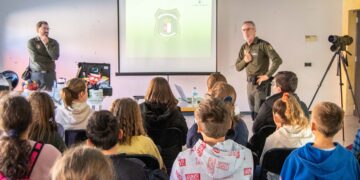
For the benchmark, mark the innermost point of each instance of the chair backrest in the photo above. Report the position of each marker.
(170, 142)
(74, 136)
(150, 161)
(257, 141)
(274, 159)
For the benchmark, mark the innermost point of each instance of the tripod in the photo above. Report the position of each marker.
(342, 62)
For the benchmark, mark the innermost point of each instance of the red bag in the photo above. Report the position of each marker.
(35, 152)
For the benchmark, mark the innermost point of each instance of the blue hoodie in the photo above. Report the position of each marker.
(310, 163)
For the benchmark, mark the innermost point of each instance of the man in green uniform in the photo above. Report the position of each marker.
(255, 55)
(43, 53)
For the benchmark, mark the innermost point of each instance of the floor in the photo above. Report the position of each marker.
(351, 125)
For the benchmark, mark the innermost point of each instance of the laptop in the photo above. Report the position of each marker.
(183, 97)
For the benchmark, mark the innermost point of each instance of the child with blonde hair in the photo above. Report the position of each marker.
(292, 127)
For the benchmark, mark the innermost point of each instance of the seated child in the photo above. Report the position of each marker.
(81, 162)
(103, 133)
(322, 159)
(134, 139)
(293, 128)
(238, 131)
(213, 157)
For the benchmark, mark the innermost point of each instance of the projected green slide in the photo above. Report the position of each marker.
(169, 28)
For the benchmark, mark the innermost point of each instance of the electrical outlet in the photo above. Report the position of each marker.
(307, 64)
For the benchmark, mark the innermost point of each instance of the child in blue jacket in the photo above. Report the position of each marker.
(322, 159)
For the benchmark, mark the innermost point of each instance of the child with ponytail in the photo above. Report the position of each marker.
(21, 158)
(292, 126)
(75, 111)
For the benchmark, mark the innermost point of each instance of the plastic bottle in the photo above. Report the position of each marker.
(194, 97)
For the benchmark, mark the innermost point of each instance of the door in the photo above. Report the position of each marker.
(357, 63)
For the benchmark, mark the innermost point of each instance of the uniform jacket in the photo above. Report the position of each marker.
(262, 52)
(42, 56)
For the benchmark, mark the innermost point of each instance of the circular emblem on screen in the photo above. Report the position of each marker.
(167, 23)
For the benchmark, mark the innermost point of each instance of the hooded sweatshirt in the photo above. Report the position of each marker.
(311, 163)
(225, 160)
(74, 117)
(159, 116)
(288, 137)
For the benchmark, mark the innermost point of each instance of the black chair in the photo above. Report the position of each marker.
(257, 141)
(149, 161)
(170, 141)
(273, 160)
(74, 136)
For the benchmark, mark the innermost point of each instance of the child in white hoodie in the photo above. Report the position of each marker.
(75, 111)
(213, 157)
(293, 129)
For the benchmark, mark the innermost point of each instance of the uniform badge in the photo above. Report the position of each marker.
(38, 46)
(167, 23)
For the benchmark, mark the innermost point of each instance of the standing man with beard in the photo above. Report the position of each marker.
(43, 53)
(255, 55)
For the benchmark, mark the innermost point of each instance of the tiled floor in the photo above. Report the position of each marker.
(350, 128)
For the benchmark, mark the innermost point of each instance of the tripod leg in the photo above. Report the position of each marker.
(351, 90)
(341, 91)
(322, 79)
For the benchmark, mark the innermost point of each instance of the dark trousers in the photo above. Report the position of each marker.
(255, 98)
(45, 79)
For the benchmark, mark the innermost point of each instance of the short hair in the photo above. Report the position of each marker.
(214, 116)
(329, 118)
(159, 92)
(103, 129)
(81, 162)
(287, 81)
(40, 23)
(128, 115)
(249, 22)
(214, 78)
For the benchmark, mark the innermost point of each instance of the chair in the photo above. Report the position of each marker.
(169, 147)
(273, 160)
(74, 136)
(257, 141)
(150, 161)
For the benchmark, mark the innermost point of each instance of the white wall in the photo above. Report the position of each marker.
(87, 31)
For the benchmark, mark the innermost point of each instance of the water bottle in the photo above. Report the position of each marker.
(194, 97)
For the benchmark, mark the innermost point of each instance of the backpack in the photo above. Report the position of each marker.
(35, 152)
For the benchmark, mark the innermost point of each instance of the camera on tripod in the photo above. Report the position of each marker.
(339, 42)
